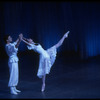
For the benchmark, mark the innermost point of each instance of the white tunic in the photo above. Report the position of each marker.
(12, 63)
(47, 58)
(12, 52)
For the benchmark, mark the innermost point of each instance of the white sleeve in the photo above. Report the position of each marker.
(30, 47)
(12, 47)
(15, 43)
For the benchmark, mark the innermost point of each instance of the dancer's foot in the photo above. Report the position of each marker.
(43, 87)
(12, 91)
(66, 34)
(17, 90)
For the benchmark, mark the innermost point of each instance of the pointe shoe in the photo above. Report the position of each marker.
(66, 34)
(43, 87)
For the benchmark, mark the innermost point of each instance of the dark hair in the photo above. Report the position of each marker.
(6, 37)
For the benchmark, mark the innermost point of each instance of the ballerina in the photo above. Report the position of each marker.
(47, 57)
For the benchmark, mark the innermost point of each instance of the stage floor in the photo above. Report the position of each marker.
(69, 78)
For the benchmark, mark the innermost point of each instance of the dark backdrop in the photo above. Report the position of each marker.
(46, 22)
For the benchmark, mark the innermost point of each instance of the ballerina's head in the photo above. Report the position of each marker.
(30, 41)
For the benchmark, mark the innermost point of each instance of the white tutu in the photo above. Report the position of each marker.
(47, 58)
(46, 63)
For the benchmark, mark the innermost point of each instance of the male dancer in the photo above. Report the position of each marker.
(12, 49)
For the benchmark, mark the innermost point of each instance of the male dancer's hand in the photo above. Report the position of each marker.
(20, 36)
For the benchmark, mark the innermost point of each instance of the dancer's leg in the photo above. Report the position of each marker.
(13, 80)
(43, 83)
(44, 76)
(62, 40)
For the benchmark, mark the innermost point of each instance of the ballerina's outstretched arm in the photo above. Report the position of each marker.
(25, 41)
(18, 40)
(62, 39)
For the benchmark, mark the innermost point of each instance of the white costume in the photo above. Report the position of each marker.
(12, 63)
(47, 58)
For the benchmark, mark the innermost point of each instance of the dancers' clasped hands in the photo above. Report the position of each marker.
(21, 35)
